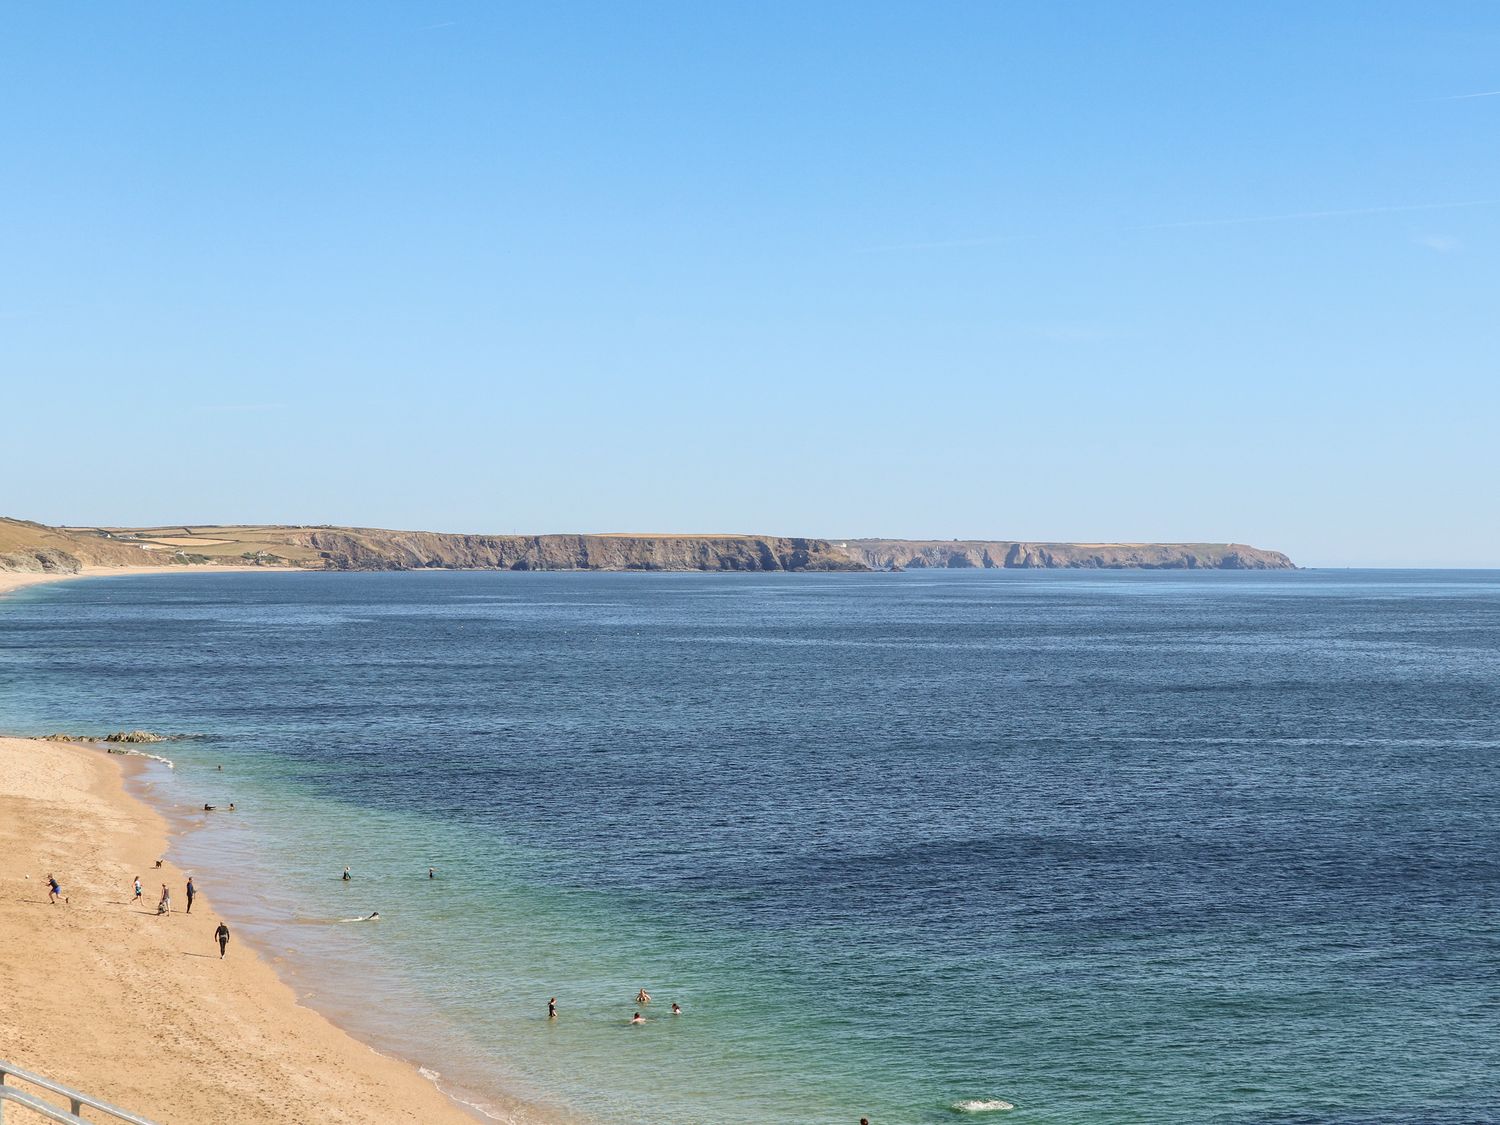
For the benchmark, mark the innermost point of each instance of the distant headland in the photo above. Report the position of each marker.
(37, 548)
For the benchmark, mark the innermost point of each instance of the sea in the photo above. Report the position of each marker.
(1025, 846)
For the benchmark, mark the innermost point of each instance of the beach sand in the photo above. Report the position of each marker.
(101, 994)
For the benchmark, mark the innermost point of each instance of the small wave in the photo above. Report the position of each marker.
(171, 765)
(478, 1107)
(981, 1105)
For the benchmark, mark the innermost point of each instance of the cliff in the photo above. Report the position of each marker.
(36, 547)
(888, 554)
(372, 549)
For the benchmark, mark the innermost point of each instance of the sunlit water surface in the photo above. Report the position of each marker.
(1105, 847)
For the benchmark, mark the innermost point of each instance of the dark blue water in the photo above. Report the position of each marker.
(1107, 847)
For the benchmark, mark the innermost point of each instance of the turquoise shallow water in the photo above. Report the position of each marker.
(1109, 847)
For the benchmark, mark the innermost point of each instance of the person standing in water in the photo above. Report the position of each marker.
(191, 891)
(552, 1008)
(346, 875)
(432, 872)
(676, 1011)
(642, 997)
(221, 935)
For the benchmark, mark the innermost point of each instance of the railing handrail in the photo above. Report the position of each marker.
(36, 1105)
(76, 1099)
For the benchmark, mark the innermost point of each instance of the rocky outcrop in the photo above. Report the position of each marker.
(43, 560)
(373, 549)
(893, 554)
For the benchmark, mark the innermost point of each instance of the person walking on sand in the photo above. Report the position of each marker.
(137, 888)
(54, 890)
(221, 935)
(165, 905)
(191, 891)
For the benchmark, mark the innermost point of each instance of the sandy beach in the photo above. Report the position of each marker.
(137, 1009)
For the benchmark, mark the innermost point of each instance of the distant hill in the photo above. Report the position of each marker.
(35, 547)
(30, 546)
(887, 554)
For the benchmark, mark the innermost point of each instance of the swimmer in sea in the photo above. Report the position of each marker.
(676, 1011)
(552, 1008)
(374, 915)
(432, 872)
(642, 997)
(638, 1018)
(208, 808)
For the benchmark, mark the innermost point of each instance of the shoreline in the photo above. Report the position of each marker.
(12, 580)
(181, 1043)
(135, 1008)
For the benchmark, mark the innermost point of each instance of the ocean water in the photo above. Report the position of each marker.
(1119, 847)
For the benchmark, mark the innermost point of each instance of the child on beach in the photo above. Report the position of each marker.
(54, 891)
(137, 888)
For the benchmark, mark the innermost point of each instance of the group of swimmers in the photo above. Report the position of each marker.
(642, 998)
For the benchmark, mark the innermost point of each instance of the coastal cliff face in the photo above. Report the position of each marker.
(890, 554)
(35, 547)
(370, 549)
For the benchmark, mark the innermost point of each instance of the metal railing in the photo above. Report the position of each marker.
(77, 1102)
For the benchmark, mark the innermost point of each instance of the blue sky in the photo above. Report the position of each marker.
(1001, 270)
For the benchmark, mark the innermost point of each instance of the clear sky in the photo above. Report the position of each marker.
(1004, 270)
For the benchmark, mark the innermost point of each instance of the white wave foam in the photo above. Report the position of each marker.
(171, 765)
(981, 1105)
(478, 1107)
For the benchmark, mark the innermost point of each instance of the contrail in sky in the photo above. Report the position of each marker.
(1462, 97)
(1234, 222)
